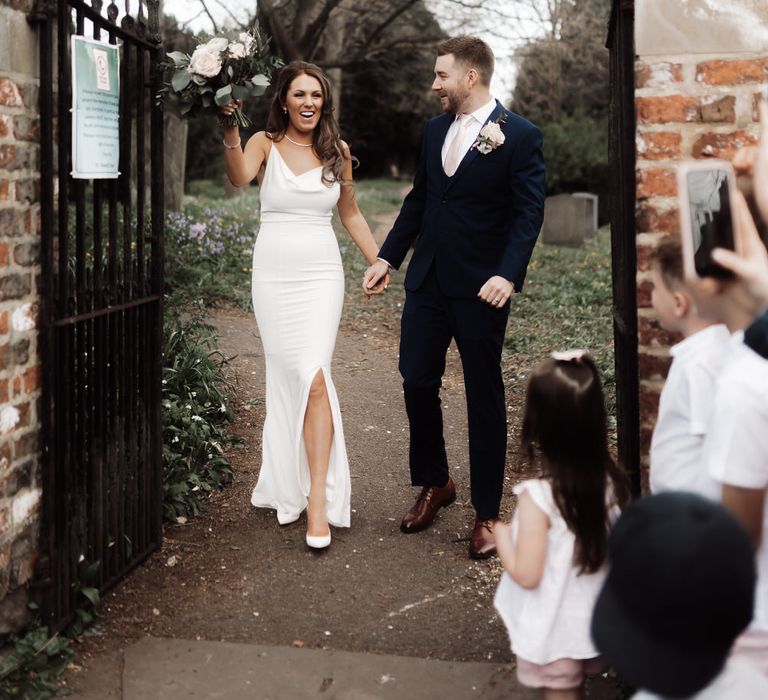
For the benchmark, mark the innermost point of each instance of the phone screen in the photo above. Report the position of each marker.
(711, 220)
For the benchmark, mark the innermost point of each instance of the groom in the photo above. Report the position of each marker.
(473, 216)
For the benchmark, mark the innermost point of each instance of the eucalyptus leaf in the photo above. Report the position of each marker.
(224, 95)
(181, 78)
(241, 92)
(178, 57)
(260, 80)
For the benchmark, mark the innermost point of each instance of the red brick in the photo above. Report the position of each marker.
(26, 445)
(663, 110)
(644, 290)
(653, 366)
(658, 145)
(656, 182)
(16, 386)
(714, 109)
(651, 219)
(4, 254)
(32, 379)
(650, 333)
(649, 405)
(10, 96)
(7, 155)
(5, 322)
(5, 518)
(732, 72)
(658, 74)
(3, 390)
(714, 145)
(6, 190)
(6, 126)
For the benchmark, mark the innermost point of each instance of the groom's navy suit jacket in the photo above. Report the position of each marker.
(481, 222)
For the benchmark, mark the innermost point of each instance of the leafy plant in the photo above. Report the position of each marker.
(195, 412)
(32, 668)
(209, 252)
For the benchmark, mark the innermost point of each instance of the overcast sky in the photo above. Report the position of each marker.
(503, 80)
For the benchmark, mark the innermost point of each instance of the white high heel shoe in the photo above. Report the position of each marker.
(319, 542)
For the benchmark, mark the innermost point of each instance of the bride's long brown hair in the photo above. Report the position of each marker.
(326, 142)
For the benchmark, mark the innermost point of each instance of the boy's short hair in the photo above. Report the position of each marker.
(667, 257)
(472, 52)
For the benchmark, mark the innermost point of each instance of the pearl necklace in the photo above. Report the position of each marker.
(296, 143)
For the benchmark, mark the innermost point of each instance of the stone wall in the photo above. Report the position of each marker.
(693, 100)
(20, 483)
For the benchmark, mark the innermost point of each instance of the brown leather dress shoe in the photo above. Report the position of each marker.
(430, 500)
(482, 544)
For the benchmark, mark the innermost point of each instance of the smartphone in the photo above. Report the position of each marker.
(705, 190)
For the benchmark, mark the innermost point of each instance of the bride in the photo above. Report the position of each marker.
(303, 169)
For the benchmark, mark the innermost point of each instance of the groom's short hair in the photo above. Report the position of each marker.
(472, 52)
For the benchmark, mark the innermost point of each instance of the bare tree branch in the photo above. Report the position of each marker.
(210, 16)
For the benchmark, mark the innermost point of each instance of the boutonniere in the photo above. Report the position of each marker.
(491, 136)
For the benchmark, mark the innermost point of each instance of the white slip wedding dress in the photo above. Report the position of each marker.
(298, 291)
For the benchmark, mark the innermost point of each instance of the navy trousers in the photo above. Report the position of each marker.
(430, 320)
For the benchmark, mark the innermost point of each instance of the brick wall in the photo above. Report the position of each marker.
(19, 272)
(687, 107)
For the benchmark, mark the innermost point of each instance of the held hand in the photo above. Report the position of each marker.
(229, 108)
(496, 291)
(750, 262)
(376, 278)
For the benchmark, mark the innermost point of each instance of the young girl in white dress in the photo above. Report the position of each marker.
(554, 550)
(304, 170)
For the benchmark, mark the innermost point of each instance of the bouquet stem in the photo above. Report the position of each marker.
(237, 118)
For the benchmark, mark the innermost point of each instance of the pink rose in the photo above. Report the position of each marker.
(204, 62)
(493, 134)
(237, 50)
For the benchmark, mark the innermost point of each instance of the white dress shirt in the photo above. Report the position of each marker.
(477, 120)
(686, 406)
(736, 448)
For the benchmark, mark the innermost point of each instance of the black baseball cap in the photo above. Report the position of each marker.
(679, 590)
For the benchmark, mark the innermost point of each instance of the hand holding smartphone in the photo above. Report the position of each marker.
(706, 189)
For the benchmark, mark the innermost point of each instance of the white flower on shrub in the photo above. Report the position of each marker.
(205, 62)
(237, 50)
(22, 318)
(9, 418)
(217, 44)
(197, 419)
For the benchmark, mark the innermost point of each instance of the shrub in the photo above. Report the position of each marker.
(195, 414)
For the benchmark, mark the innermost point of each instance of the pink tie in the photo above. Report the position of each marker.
(452, 158)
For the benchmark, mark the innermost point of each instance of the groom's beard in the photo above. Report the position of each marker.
(455, 101)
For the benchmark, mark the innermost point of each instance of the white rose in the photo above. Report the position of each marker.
(237, 50)
(493, 133)
(247, 40)
(205, 63)
(217, 45)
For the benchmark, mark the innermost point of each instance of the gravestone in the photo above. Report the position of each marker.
(565, 219)
(590, 213)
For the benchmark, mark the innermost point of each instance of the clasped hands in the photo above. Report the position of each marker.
(495, 292)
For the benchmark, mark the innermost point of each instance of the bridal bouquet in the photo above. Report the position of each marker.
(222, 69)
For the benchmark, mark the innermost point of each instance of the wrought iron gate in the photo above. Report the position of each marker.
(101, 312)
(621, 42)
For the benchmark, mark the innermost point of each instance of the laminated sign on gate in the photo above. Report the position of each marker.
(95, 109)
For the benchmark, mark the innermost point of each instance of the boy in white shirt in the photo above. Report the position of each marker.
(736, 448)
(686, 400)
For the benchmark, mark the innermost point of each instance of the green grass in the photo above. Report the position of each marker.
(566, 303)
